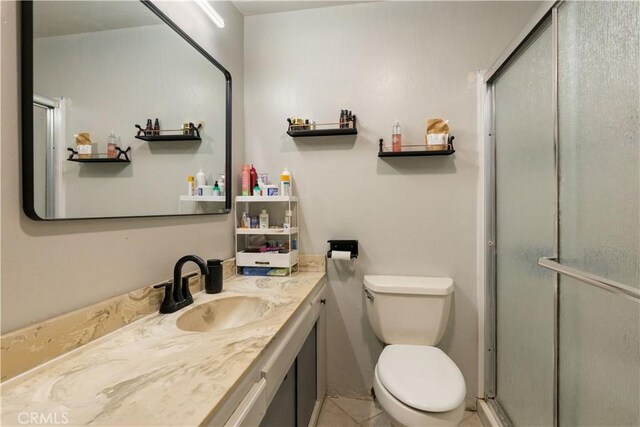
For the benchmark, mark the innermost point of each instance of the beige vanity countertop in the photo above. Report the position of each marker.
(151, 372)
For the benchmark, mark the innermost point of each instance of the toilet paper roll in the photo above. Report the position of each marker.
(341, 255)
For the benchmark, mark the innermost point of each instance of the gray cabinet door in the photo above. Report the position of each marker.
(282, 410)
(306, 377)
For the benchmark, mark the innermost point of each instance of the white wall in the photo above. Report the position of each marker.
(110, 81)
(412, 216)
(49, 268)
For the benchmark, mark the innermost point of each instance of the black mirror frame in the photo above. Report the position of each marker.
(25, 72)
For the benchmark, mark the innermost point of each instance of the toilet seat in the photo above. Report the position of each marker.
(422, 377)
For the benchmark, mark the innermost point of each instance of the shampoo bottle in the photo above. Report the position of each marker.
(245, 180)
(264, 219)
(285, 183)
(201, 178)
(191, 181)
(216, 189)
(396, 137)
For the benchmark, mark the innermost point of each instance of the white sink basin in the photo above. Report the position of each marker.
(224, 313)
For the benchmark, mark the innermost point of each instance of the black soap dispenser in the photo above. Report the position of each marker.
(213, 280)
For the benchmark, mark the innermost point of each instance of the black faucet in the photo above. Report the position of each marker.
(176, 293)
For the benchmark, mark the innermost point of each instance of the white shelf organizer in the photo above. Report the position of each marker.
(276, 206)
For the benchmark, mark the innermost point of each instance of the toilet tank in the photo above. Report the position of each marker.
(408, 309)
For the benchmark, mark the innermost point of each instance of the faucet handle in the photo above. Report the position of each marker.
(168, 304)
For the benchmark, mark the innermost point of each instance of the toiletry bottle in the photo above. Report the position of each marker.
(341, 119)
(156, 127)
(261, 185)
(264, 219)
(256, 190)
(213, 280)
(285, 183)
(287, 219)
(112, 142)
(245, 180)
(149, 129)
(396, 137)
(201, 178)
(253, 179)
(246, 222)
(221, 184)
(216, 189)
(191, 181)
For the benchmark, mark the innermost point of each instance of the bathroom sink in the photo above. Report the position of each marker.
(224, 313)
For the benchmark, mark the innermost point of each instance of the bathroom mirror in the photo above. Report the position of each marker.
(101, 67)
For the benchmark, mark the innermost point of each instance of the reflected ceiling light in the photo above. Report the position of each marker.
(210, 12)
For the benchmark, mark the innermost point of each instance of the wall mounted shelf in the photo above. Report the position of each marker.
(415, 150)
(121, 157)
(321, 129)
(167, 138)
(202, 198)
(267, 231)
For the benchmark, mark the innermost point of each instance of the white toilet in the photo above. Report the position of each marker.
(415, 383)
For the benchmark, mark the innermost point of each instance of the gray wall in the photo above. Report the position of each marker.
(412, 216)
(52, 268)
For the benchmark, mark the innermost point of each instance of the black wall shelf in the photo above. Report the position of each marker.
(416, 153)
(320, 129)
(121, 157)
(323, 132)
(167, 138)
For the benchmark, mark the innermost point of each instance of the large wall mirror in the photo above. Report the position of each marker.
(92, 71)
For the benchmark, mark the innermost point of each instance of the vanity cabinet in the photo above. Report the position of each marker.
(248, 238)
(287, 387)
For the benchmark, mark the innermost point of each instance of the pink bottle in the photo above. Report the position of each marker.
(245, 180)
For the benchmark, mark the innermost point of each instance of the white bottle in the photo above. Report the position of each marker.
(287, 219)
(285, 183)
(221, 184)
(264, 219)
(201, 178)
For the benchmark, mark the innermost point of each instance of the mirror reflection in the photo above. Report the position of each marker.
(100, 69)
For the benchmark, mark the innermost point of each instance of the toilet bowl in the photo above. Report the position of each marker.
(415, 383)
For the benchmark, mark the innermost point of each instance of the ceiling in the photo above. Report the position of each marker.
(261, 7)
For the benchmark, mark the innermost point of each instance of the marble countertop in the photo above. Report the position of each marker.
(151, 372)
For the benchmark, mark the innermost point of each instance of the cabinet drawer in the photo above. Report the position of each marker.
(251, 259)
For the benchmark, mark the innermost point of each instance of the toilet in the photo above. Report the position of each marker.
(415, 383)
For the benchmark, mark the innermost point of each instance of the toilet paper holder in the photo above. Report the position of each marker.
(343, 245)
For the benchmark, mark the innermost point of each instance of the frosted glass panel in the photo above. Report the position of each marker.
(525, 231)
(599, 121)
(599, 357)
(599, 113)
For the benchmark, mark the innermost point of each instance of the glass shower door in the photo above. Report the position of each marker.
(525, 228)
(599, 187)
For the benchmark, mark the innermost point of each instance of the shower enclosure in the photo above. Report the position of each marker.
(563, 334)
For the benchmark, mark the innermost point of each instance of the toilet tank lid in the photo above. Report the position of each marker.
(409, 285)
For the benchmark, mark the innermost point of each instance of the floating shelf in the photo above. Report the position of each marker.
(267, 231)
(99, 160)
(121, 157)
(417, 150)
(167, 138)
(323, 132)
(320, 129)
(202, 198)
(266, 198)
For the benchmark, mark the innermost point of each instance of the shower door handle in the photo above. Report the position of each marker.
(609, 285)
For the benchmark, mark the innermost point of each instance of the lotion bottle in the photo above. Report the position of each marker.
(201, 178)
(285, 183)
(264, 219)
(112, 142)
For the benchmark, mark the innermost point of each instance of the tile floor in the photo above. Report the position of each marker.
(348, 412)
